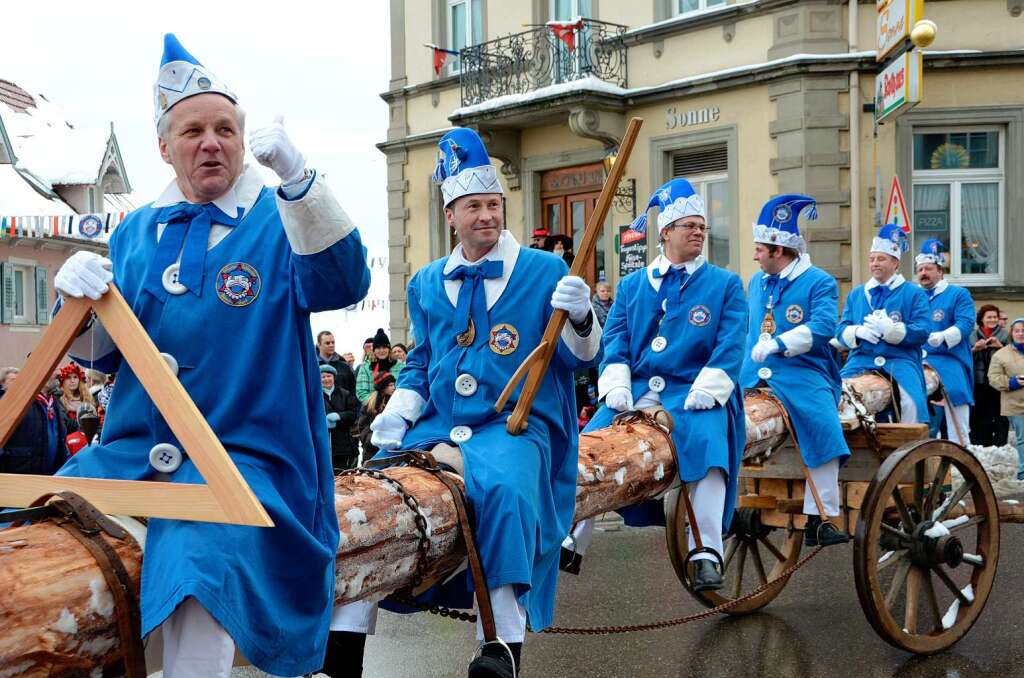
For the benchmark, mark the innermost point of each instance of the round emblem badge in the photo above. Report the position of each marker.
(700, 316)
(504, 339)
(794, 314)
(90, 226)
(938, 315)
(204, 83)
(238, 284)
(782, 213)
(896, 317)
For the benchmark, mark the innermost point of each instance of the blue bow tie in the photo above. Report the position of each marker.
(472, 302)
(188, 225)
(879, 294)
(931, 292)
(671, 286)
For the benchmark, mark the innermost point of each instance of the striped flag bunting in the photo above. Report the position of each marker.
(95, 227)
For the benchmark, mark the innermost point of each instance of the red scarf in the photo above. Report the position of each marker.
(987, 331)
(47, 402)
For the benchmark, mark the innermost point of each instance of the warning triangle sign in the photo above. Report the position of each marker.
(896, 212)
(226, 498)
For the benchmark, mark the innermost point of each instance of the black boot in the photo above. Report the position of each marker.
(344, 654)
(496, 660)
(819, 533)
(569, 561)
(706, 576)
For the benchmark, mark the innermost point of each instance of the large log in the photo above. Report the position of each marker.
(56, 613)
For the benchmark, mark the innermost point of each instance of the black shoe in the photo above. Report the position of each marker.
(344, 654)
(818, 533)
(569, 561)
(496, 660)
(706, 576)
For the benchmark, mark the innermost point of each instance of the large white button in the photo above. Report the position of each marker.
(460, 434)
(656, 384)
(924, 353)
(880, 360)
(165, 458)
(170, 280)
(659, 344)
(171, 362)
(764, 373)
(465, 384)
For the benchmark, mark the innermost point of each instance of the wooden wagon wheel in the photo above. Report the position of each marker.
(927, 546)
(755, 554)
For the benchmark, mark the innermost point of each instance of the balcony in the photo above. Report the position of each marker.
(525, 62)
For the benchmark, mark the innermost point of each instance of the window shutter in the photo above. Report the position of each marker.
(7, 292)
(42, 297)
(702, 160)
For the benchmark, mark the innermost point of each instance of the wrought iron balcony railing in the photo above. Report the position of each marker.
(527, 61)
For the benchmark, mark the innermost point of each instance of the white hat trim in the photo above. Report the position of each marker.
(766, 235)
(482, 179)
(692, 206)
(886, 246)
(937, 259)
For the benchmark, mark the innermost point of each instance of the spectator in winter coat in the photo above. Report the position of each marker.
(325, 355)
(602, 301)
(988, 426)
(7, 376)
(342, 408)
(37, 445)
(1006, 375)
(376, 403)
(399, 353)
(374, 369)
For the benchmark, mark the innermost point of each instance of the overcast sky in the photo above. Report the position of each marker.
(322, 65)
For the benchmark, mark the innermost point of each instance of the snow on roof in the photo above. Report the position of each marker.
(17, 197)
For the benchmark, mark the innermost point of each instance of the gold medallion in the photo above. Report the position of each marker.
(768, 324)
(466, 338)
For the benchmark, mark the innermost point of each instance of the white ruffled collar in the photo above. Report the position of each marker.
(661, 264)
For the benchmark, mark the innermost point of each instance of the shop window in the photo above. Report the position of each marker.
(707, 170)
(465, 27)
(959, 197)
(683, 7)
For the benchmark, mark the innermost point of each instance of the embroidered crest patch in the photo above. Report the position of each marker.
(504, 339)
(938, 315)
(782, 213)
(794, 314)
(238, 284)
(700, 316)
(90, 226)
(896, 317)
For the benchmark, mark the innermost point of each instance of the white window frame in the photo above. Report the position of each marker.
(455, 65)
(28, 291)
(955, 179)
(702, 7)
(700, 185)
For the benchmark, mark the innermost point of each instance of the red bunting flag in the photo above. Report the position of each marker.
(566, 32)
(440, 56)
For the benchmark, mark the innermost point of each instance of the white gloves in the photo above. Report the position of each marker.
(619, 398)
(763, 349)
(699, 400)
(867, 334)
(84, 274)
(573, 296)
(388, 430)
(879, 322)
(332, 419)
(275, 150)
(935, 339)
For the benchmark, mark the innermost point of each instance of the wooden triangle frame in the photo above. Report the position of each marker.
(226, 498)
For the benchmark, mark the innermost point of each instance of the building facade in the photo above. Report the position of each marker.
(61, 189)
(745, 99)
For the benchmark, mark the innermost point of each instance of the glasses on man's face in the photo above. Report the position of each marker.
(692, 226)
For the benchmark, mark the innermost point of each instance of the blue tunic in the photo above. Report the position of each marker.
(252, 371)
(906, 304)
(952, 306)
(522, 488)
(703, 346)
(804, 374)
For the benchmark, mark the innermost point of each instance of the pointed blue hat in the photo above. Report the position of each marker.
(182, 76)
(932, 252)
(777, 223)
(891, 240)
(463, 166)
(675, 199)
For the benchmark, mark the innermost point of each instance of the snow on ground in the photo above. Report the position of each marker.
(1001, 465)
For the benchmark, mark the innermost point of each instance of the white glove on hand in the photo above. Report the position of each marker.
(865, 333)
(935, 339)
(619, 398)
(332, 419)
(879, 322)
(388, 430)
(763, 349)
(572, 294)
(275, 150)
(84, 274)
(699, 400)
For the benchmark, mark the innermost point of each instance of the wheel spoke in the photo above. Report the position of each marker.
(894, 557)
(730, 551)
(958, 524)
(772, 548)
(899, 534)
(936, 487)
(919, 486)
(739, 571)
(913, 589)
(898, 579)
(974, 560)
(933, 603)
(901, 506)
(758, 565)
(961, 491)
(944, 578)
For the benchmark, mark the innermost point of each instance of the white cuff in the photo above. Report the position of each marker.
(849, 336)
(612, 376)
(406, 403)
(316, 221)
(953, 335)
(834, 343)
(895, 334)
(584, 348)
(797, 340)
(716, 382)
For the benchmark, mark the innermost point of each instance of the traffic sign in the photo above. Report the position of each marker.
(896, 212)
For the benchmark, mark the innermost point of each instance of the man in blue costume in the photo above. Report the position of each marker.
(948, 351)
(884, 325)
(674, 339)
(218, 263)
(476, 314)
(793, 310)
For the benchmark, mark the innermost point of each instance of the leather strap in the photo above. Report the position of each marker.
(684, 493)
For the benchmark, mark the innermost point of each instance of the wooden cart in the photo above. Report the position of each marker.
(926, 526)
